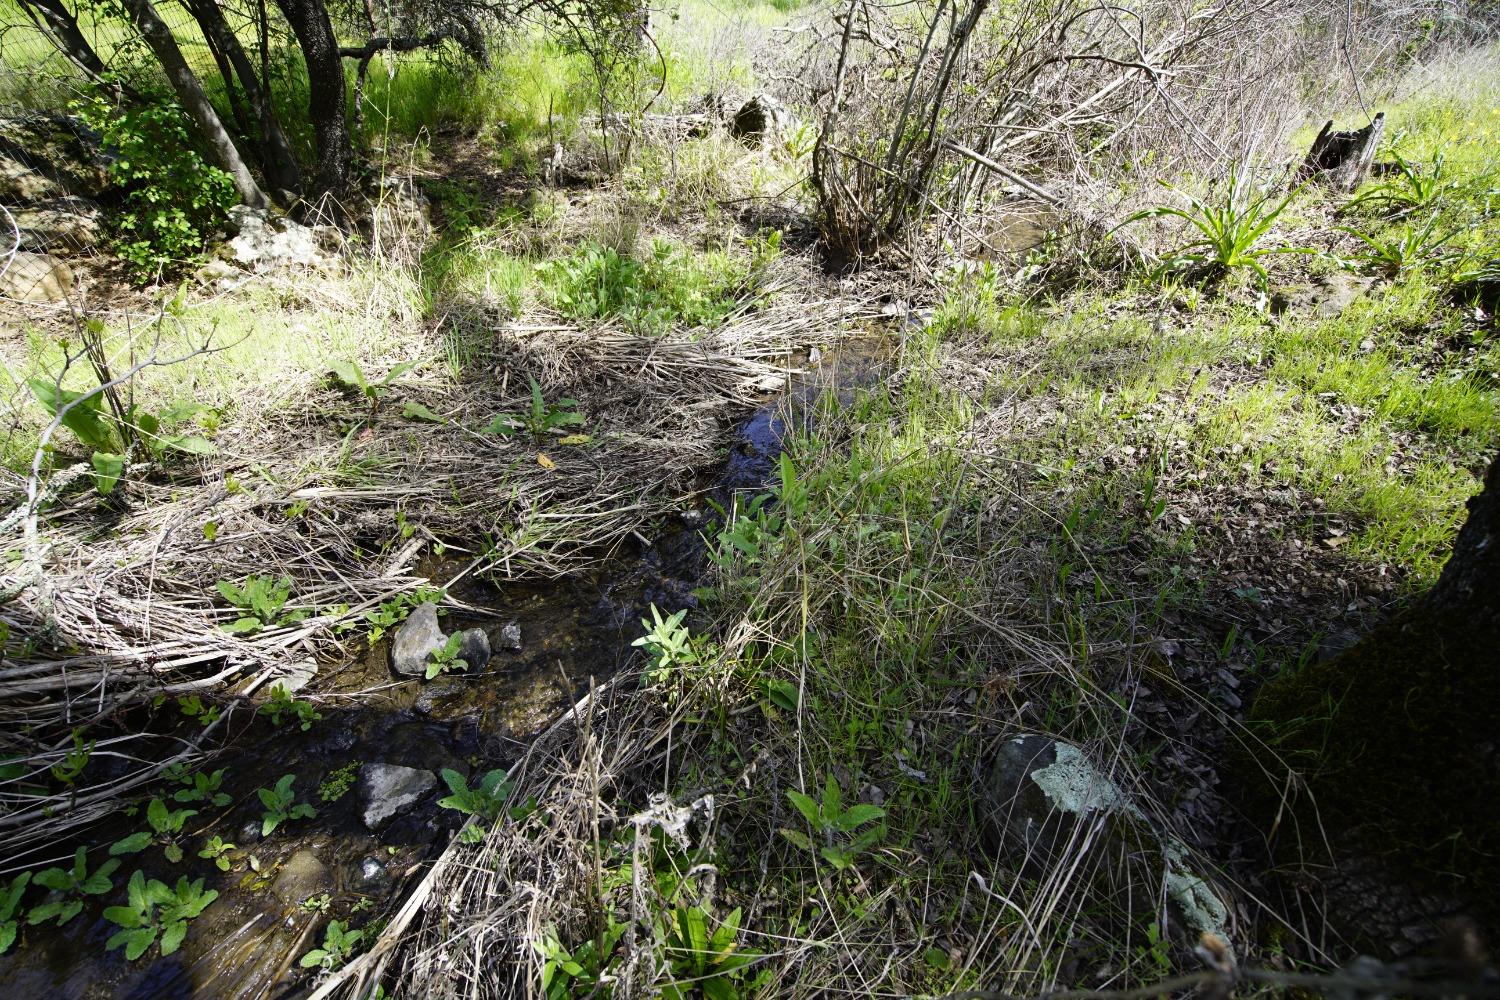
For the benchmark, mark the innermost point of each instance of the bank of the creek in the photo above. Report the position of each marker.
(280, 892)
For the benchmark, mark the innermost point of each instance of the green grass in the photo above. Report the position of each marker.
(271, 346)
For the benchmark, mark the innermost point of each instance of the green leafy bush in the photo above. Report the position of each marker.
(174, 200)
(836, 825)
(165, 827)
(484, 801)
(281, 805)
(262, 598)
(338, 944)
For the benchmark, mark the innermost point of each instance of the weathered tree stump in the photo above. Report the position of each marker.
(1342, 159)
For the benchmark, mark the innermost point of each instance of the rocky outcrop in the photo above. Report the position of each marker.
(263, 240)
(758, 118)
(70, 223)
(45, 156)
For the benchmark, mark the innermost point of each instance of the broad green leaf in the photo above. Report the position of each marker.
(858, 815)
(807, 807)
(348, 373)
(416, 411)
(108, 468)
(133, 844)
(172, 935)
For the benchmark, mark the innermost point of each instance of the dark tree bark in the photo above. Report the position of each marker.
(1399, 736)
(277, 159)
(194, 101)
(1342, 159)
(61, 27)
(325, 77)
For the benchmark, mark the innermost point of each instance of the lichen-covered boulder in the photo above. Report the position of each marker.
(60, 224)
(386, 790)
(1043, 802)
(50, 156)
(759, 117)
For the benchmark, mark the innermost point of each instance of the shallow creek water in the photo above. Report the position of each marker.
(573, 631)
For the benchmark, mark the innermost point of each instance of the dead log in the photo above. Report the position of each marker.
(1342, 159)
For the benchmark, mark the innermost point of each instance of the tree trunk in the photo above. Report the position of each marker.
(194, 101)
(59, 25)
(1399, 736)
(280, 163)
(325, 77)
(1342, 159)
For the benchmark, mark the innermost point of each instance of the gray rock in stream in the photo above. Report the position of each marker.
(510, 637)
(388, 789)
(475, 649)
(419, 635)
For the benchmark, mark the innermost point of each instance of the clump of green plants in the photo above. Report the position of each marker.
(281, 805)
(712, 961)
(69, 888)
(165, 826)
(70, 768)
(110, 438)
(445, 659)
(1231, 230)
(174, 201)
(339, 943)
(1410, 187)
(10, 910)
(263, 599)
(156, 910)
(352, 377)
(838, 827)
(581, 970)
(282, 705)
(217, 849)
(542, 419)
(338, 782)
(1403, 249)
(668, 288)
(485, 801)
(202, 787)
(194, 707)
(669, 645)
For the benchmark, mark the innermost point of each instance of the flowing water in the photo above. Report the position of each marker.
(573, 631)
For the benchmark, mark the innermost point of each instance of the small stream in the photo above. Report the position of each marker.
(279, 893)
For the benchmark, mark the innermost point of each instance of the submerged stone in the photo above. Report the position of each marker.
(387, 789)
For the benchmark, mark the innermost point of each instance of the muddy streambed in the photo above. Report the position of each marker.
(277, 894)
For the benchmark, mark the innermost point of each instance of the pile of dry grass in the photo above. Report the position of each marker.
(112, 605)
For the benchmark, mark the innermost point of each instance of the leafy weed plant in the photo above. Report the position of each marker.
(164, 827)
(339, 944)
(69, 888)
(1231, 230)
(155, 910)
(281, 805)
(543, 418)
